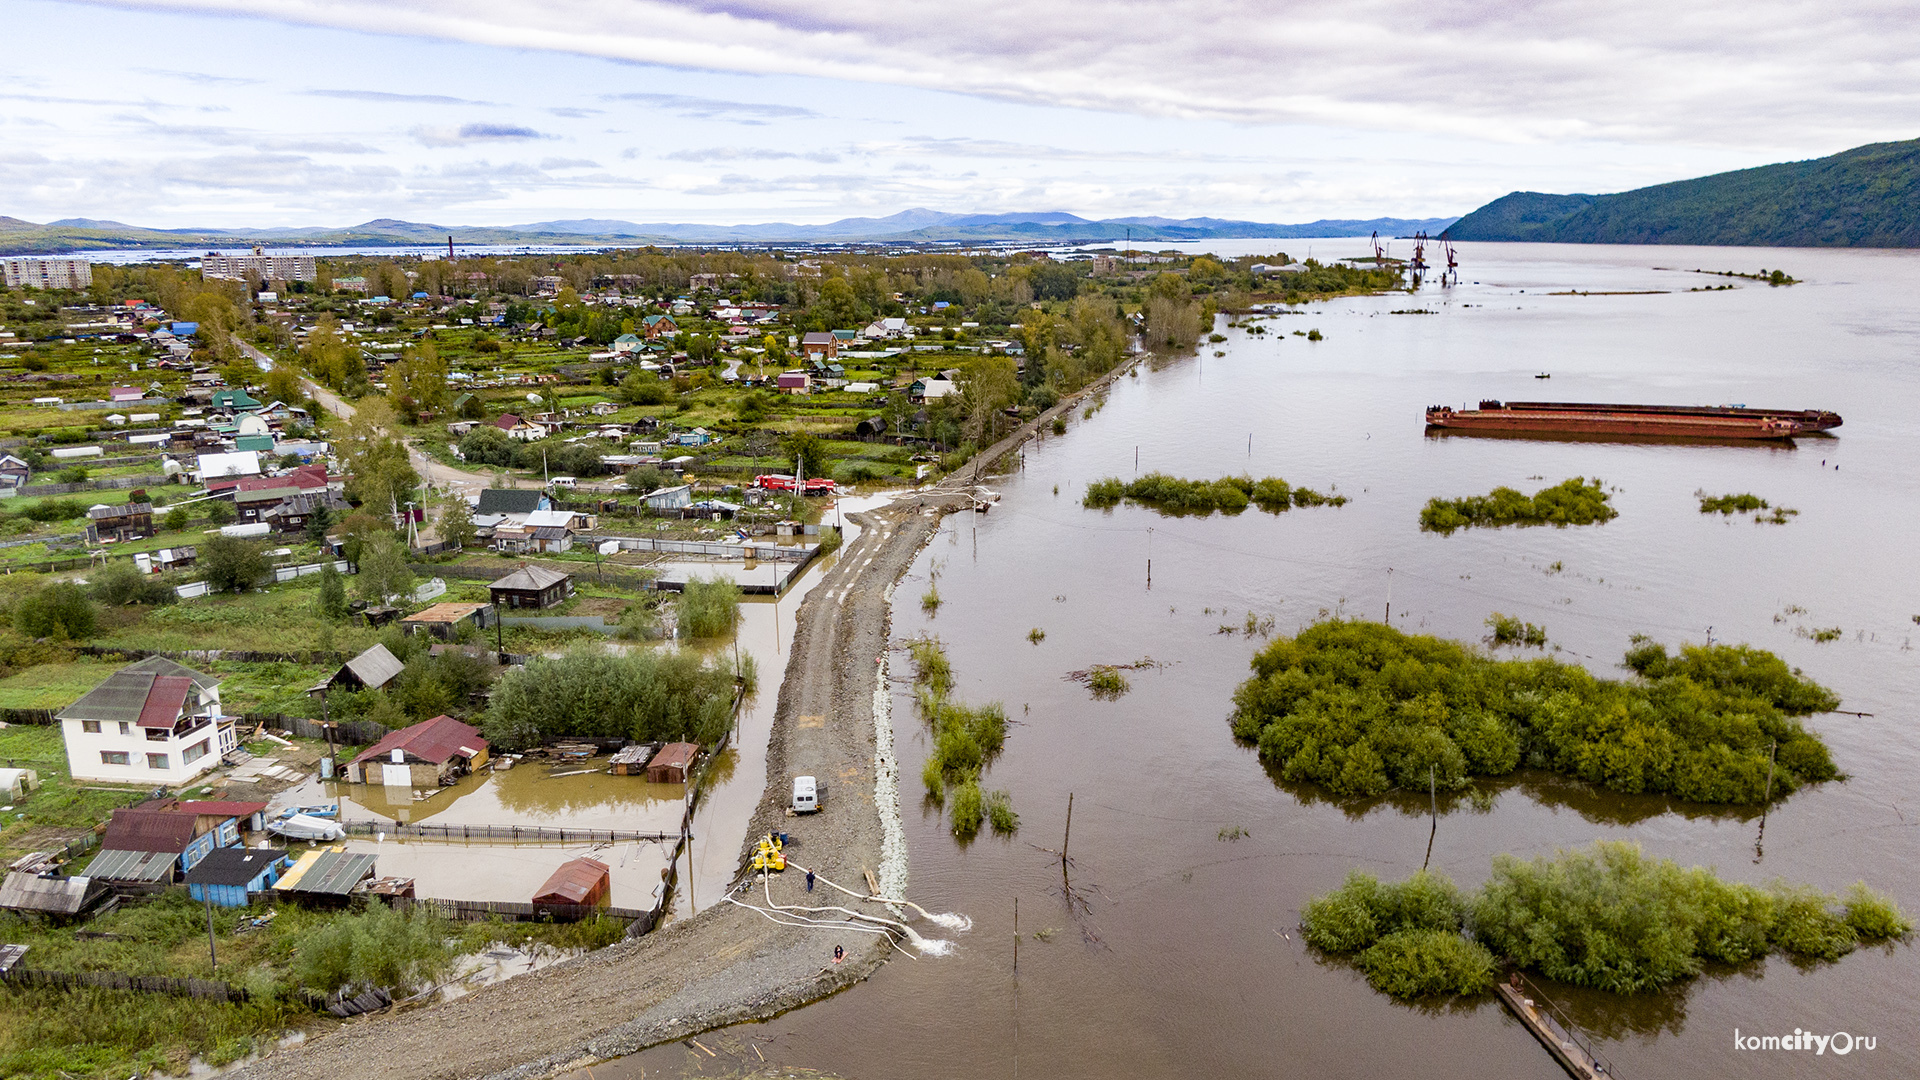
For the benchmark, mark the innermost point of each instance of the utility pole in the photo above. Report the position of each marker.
(213, 958)
(1389, 596)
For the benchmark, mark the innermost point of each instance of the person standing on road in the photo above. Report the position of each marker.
(809, 881)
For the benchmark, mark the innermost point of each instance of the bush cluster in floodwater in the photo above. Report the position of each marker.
(1361, 709)
(643, 695)
(965, 741)
(1229, 494)
(1606, 917)
(1744, 503)
(1510, 630)
(1577, 501)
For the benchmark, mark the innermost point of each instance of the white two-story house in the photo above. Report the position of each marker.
(152, 722)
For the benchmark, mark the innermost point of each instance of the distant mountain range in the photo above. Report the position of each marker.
(909, 226)
(1865, 197)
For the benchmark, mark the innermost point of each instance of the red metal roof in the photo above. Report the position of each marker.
(148, 830)
(216, 808)
(677, 755)
(432, 741)
(164, 701)
(581, 881)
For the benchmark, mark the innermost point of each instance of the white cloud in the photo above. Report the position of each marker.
(1735, 72)
(474, 133)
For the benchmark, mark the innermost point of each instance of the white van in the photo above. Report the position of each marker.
(806, 796)
(562, 481)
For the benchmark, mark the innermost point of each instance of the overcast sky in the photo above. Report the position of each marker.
(175, 113)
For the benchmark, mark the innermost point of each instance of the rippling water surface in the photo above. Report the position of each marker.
(1189, 962)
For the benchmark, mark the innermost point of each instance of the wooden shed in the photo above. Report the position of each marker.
(51, 895)
(582, 882)
(531, 587)
(632, 760)
(672, 764)
(230, 876)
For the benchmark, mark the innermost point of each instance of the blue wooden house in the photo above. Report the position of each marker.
(228, 876)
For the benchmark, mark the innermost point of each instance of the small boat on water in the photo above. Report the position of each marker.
(1631, 421)
(306, 827)
(326, 810)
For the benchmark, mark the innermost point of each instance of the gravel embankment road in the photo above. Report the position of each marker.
(726, 963)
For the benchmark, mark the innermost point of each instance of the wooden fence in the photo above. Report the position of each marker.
(483, 910)
(518, 834)
(114, 980)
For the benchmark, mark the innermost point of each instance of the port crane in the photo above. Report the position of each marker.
(1418, 267)
(1453, 264)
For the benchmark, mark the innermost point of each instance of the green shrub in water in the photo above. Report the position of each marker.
(1606, 917)
(1363, 708)
(709, 607)
(1578, 501)
(1229, 494)
(1000, 813)
(966, 809)
(1873, 916)
(1427, 963)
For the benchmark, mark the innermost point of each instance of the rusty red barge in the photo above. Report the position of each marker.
(1631, 421)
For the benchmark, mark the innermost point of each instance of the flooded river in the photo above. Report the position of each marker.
(1186, 960)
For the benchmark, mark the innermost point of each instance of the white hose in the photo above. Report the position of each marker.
(950, 920)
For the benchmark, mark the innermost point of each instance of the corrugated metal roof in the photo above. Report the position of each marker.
(507, 500)
(234, 866)
(332, 872)
(574, 883)
(449, 612)
(221, 808)
(149, 830)
(122, 695)
(56, 896)
(375, 667)
(164, 701)
(136, 866)
(677, 755)
(530, 579)
(433, 741)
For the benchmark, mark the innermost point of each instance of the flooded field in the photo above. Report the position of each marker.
(1182, 956)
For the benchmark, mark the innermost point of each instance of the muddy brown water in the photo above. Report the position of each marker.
(1188, 961)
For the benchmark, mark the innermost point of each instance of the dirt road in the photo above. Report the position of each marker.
(727, 963)
(439, 475)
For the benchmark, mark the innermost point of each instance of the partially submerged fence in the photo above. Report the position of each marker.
(516, 834)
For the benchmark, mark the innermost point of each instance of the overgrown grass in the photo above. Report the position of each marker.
(53, 686)
(1605, 917)
(965, 809)
(59, 802)
(1229, 495)
(1578, 501)
(1000, 813)
(1362, 708)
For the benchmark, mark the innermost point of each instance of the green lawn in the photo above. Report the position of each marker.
(52, 686)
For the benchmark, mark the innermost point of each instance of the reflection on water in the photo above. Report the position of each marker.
(1176, 952)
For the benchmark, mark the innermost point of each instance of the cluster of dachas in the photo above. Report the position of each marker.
(1578, 501)
(1606, 917)
(1229, 494)
(1362, 708)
